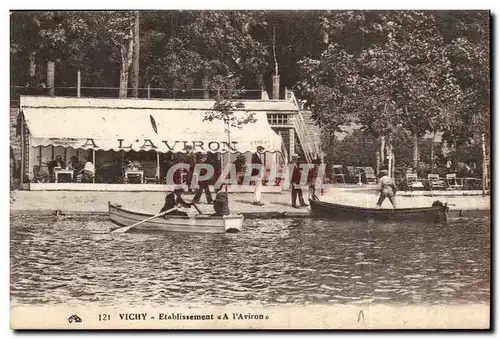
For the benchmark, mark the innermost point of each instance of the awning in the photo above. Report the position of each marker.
(144, 130)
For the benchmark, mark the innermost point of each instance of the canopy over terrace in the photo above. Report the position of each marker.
(70, 123)
(98, 129)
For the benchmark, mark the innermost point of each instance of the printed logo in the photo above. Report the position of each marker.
(74, 319)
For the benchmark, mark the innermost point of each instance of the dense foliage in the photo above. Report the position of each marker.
(398, 74)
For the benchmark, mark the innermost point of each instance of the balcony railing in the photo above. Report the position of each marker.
(112, 92)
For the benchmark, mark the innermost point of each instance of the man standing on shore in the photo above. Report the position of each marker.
(203, 184)
(387, 189)
(295, 183)
(257, 160)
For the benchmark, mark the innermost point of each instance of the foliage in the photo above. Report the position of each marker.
(356, 149)
(224, 108)
(402, 79)
(212, 43)
(396, 73)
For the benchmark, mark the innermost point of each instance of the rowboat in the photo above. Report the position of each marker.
(196, 224)
(435, 213)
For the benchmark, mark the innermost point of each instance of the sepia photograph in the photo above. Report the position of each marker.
(250, 169)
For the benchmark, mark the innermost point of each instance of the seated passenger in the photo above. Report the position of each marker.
(57, 163)
(221, 203)
(40, 176)
(87, 173)
(174, 199)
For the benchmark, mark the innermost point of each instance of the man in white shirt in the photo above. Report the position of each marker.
(387, 189)
(87, 173)
(89, 167)
(257, 161)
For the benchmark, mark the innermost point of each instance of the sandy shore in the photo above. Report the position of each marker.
(151, 202)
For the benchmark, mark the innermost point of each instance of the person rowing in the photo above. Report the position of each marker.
(221, 203)
(387, 189)
(174, 199)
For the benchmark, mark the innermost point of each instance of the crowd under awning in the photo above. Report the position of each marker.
(145, 129)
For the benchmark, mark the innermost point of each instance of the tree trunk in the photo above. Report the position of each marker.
(32, 80)
(127, 51)
(206, 93)
(276, 69)
(135, 68)
(382, 151)
(377, 156)
(393, 159)
(389, 161)
(432, 151)
(51, 77)
(415, 152)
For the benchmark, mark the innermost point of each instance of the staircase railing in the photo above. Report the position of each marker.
(284, 151)
(311, 149)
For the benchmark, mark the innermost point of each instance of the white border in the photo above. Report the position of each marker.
(186, 4)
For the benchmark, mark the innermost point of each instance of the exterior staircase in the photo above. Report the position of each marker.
(307, 132)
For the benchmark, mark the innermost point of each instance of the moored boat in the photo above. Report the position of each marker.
(435, 213)
(196, 224)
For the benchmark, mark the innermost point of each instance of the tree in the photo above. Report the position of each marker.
(402, 77)
(226, 90)
(209, 44)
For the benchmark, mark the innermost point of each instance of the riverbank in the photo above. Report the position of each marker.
(276, 205)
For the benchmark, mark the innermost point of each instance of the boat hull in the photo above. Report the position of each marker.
(195, 224)
(344, 212)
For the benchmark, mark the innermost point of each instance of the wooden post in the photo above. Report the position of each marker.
(95, 167)
(158, 166)
(121, 166)
(78, 83)
(149, 91)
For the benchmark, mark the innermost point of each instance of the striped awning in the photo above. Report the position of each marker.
(145, 129)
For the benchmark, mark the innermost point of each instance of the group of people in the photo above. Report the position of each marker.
(174, 201)
(81, 172)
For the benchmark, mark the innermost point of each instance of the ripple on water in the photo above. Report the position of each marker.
(271, 261)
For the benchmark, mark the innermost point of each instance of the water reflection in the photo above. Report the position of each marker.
(56, 260)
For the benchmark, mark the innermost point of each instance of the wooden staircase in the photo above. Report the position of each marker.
(306, 131)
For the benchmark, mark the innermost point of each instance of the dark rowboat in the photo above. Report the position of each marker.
(435, 213)
(195, 224)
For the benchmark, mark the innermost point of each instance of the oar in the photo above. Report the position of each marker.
(126, 228)
(194, 205)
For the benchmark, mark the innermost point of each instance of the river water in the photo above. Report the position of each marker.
(76, 260)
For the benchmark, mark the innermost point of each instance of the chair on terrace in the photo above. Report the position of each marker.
(337, 173)
(435, 182)
(452, 182)
(412, 181)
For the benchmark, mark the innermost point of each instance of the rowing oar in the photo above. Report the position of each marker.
(194, 205)
(126, 228)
